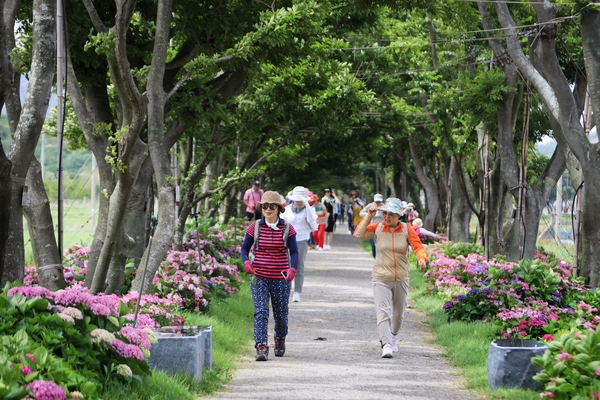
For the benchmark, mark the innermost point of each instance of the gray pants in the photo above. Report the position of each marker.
(390, 303)
(299, 280)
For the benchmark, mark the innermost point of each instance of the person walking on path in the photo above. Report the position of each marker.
(322, 216)
(329, 201)
(304, 220)
(377, 202)
(272, 272)
(390, 276)
(251, 199)
(357, 204)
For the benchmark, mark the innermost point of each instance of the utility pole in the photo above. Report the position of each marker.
(60, 64)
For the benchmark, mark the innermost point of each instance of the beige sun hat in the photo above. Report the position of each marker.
(271, 197)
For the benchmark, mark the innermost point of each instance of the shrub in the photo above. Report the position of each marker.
(571, 366)
(86, 338)
(203, 271)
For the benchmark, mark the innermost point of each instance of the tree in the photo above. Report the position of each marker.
(555, 92)
(27, 122)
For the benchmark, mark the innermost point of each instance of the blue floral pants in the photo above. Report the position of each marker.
(278, 291)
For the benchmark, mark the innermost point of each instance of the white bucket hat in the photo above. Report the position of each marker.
(300, 193)
(378, 197)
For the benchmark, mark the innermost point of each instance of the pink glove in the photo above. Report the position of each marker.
(248, 267)
(290, 273)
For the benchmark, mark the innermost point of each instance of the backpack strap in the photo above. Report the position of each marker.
(378, 231)
(257, 227)
(286, 233)
(256, 235)
(380, 228)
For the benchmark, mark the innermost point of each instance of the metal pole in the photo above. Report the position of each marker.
(60, 62)
(558, 211)
(153, 224)
(486, 189)
(523, 175)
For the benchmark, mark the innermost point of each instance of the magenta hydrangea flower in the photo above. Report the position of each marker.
(127, 350)
(31, 291)
(136, 336)
(46, 390)
(25, 370)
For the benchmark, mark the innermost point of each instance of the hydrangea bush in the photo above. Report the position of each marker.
(71, 343)
(533, 299)
(51, 338)
(204, 270)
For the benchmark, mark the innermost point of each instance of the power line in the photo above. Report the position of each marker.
(425, 40)
(516, 2)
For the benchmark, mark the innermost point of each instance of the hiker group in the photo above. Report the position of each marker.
(281, 232)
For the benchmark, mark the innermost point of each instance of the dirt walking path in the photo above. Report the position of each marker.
(333, 351)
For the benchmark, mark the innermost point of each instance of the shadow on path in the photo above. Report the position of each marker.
(333, 351)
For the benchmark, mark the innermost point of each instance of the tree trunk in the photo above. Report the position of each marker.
(460, 213)
(41, 231)
(7, 84)
(507, 118)
(590, 38)
(5, 193)
(116, 214)
(139, 211)
(431, 193)
(95, 119)
(27, 133)
(590, 229)
(496, 207)
(557, 96)
(159, 151)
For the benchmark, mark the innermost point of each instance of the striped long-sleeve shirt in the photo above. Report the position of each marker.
(271, 258)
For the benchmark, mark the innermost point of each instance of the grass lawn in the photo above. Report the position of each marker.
(78, 226)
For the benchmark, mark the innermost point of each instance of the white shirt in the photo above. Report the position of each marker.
(378, 217)
(304, 222)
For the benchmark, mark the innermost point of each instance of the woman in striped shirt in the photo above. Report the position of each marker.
(274, 267)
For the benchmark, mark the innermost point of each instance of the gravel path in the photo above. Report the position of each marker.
(333, 351)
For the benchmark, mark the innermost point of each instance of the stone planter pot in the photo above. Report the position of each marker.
(509, 363)
(185, 349)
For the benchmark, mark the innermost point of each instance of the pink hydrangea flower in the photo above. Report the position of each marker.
(25, 370)
(127, 350)
(46, 390)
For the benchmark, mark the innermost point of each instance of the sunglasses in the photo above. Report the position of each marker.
(267, 206)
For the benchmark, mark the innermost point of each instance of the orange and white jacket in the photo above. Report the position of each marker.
(391, 261)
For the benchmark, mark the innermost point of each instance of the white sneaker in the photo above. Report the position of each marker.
(395, 343)
(296, 297)
(319, 248)
(387, 351)
(327, 247)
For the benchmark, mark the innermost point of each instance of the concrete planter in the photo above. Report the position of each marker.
(509, 363)
(185, 349)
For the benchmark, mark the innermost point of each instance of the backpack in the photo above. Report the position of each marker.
(286, 233)
(380, 228)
